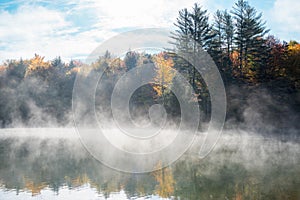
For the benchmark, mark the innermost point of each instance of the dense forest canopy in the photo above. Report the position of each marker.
(35, 92)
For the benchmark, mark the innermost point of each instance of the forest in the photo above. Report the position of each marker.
(260, 72)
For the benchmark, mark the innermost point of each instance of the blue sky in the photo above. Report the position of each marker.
(72, 29)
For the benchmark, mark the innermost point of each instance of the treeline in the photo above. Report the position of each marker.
(238, 42)
(260, 72)
(36, 92)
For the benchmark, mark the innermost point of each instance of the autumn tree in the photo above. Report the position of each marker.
(38, 67)
(294, 62)
(277, 58)
(165, 180)
(164, 73)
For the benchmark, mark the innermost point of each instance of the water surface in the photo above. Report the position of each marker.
(52, 164)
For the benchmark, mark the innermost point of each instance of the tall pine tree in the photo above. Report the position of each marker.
(194, 31)
(249, 40)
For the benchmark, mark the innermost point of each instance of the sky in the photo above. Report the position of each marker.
(72, 29)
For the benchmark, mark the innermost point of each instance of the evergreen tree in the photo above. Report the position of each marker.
(216, 44)
(194, 31)
(182, 34)
(221, 45)
(248, 39)
(201, 34)
(131, 60)
(228, 30)
(182, 41)
(200, 28)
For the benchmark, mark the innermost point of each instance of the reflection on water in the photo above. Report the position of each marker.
(59, 168)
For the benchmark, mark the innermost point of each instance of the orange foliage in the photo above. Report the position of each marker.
(239, 196)
(234, 57)
(2, 68)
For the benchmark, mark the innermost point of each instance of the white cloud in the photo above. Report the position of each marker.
(284, 19)
(28, 30)
(33, 28)
(115, 14)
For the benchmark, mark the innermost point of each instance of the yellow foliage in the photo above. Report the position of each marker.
(80, 180)
(74, 70)
(294, 62)
(165, 179)
(37, 65)
(164, 73)
(245, 69)
(116, 65)
(141, 189)
(34, 188)
(294, 53)
(294, 48)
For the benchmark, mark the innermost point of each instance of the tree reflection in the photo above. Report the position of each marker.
(34, 165)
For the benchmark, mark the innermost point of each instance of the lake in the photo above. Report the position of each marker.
(53, 164)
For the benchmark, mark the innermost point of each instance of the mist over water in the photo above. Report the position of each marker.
(39, 160)
(140, 131)
(257, 153)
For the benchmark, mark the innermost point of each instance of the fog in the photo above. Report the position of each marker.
(44, 143)
(260, 123)
(247, 148)
(39, 158)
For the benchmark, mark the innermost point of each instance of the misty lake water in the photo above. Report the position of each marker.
(52, 164)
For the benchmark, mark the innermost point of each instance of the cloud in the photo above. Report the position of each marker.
(34, 29)
(74, 29)
(30, 30)
(116, 14)
(284, 19)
